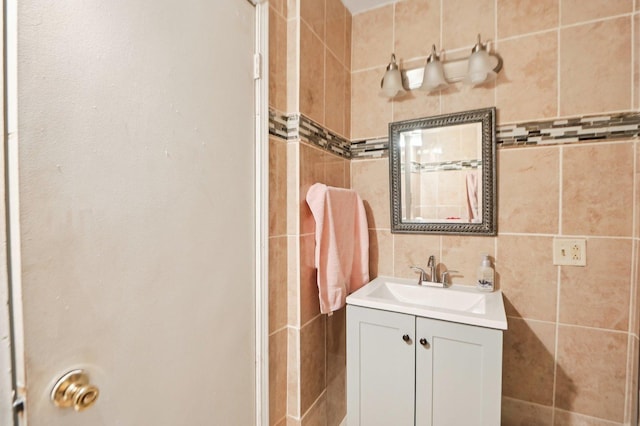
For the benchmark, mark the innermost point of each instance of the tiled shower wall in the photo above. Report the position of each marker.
(571, 351)
(310, 52)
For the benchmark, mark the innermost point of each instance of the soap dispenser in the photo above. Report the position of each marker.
(485, 274)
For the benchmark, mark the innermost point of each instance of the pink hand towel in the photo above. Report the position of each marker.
(342, 243)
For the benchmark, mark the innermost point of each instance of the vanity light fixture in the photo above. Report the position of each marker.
(480, 67)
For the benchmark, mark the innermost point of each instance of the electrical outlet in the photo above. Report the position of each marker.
(570, 251)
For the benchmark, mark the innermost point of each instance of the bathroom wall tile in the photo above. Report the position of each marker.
(372, 39)
(336, 367)
(413, 250)
(370, 178)
(294, 177)
(591, 174)
(312, 362)
(636, 207)
(293, 281)
(584, 300)
(281, 422)
(312, 170)
(635, 292)
(416, 103)
(526, 16)
(293, 373)
(528, 363)
(528, 278)
(591, 372)
(278, 301)
(463, 20)
(462, 254)
(631, 414)
(317, 414)
(574, 11)
(279, 6)
(335, 99)
(336, 34)
(293, 66)
(521, 413)
(380, 253)
(347, 104)
(532, 69)
(566, 418)
(309, 302)
(277, 61)
(636, 61)
(313, 13)
(524, 207)
(293, 421)
(581, 70)
(460, 97)
(311, 74)
(416, 28)
(334, 171)
(347, 174)
(370, 113)
(277, 376)
(277, 186)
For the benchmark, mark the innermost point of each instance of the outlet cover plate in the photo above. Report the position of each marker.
(570, 251)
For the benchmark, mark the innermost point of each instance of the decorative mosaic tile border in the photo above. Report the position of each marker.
(445, 165)
(534, 133)
(294, 126)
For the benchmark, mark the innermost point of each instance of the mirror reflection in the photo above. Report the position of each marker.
(443, 173)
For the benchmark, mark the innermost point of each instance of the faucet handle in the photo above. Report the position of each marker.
(445, 274)
(423, 273)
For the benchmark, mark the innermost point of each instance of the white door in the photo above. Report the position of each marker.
(135, 128)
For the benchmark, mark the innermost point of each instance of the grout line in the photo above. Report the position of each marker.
(593, 21)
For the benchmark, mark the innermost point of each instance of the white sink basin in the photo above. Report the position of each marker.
(457, 303)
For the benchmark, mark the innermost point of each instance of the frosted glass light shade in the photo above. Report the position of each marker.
(392, 84)
(479, 69)
(433, 77)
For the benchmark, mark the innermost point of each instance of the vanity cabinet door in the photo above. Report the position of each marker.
(380, 367)
(458, 374)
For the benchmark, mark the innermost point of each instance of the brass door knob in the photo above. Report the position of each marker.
(73, 390)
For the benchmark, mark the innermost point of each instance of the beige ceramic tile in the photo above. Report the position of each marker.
(631, 415)
(348, 40)
(293, 278)
(337, 399)
(417, 27)
(597, 190)
(277, 61)
(416, 103)
(312, 362)
(317, 414)
(463, 254)
(370, 113)
(413, 250)
(528, 364)
(380, 253)
(311, 75)
(531, 69)
(293, 67)
(591, 372)
(335, 95)
(347, 104)
(566, 418)
(635, 291)
(281, 422)
(637, 200)
(292, 8)
(293, 186)
(279, 6)
(293, 372)
(278, 301)
(336, 367)
(309, 301)
(595, 83)
(334, 171)
(277, 186)
(460, 97)
(370, 178)
(636, 62)
(584, 300)
(528, 278)
(573, 11)
(313, 13)
(528, 181)
(277, 376)
(293, 422)
(521, 413)
(526, 16)
(463, 20)
(372, 39)
(336, 32)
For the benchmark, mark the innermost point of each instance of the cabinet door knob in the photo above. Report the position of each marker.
(406, 338)
(424, 342)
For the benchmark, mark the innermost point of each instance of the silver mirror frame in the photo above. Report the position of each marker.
(488, 226)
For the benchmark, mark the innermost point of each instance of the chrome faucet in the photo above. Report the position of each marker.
(423, 274)
(432, 280)
(431, 264)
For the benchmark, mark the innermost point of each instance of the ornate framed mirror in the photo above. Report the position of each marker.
(443, 174)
